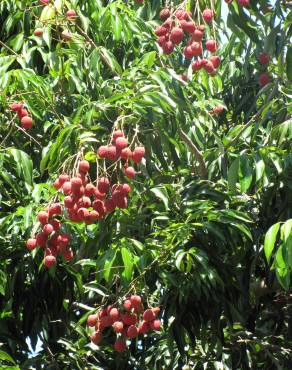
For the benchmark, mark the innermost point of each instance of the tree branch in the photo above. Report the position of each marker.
(198, 155)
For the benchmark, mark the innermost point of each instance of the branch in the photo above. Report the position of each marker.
(198, 155)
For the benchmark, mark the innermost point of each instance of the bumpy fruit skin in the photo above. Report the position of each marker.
(127, 305)
(22, 113)
(116, 134)
(118, 326)
(26, 122)
(129, 319)
(148, 315)
(161, 31)
(132, 331)
(188, 52)
(138, 154)
(264, 79)
(31, 244)
(196, 48)
(102, 151)
(121, 143)
(16, 106)
(44, 2)
(164, 14)
(126, 153)
(243, 2)
(92, 320)
(135, 301)
(49, 261)
(155, 324)
(130, 172)
(112, 152)
(197, 65)
(48, 229)
(43, 217)
(120, 345)
(208, 15)
(208, 66)
(168, 47)
(144, 327)
(84, 166)
(263, 58)
(198, 35)
(41, 239)
(215, 59)
(96, 337)
(211, 45)
(71, 13)
(176, 35)
(114, 314)
(38, 32)
(188, 26)
(103, 185)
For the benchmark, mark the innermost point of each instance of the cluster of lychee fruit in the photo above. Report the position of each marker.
(264, 77)
(127, 321)
(50, 238)
(179, 27)
(25, 120)
(70, 15)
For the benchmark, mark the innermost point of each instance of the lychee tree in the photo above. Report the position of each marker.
(145, 173)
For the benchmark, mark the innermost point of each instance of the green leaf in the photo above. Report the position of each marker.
(161, 193)
(289, 63)
(128, 263)
(270, 240)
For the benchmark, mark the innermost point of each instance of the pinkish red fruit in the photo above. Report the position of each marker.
(164, 14)
(155, 324)
(112, 152)
(127, 305)
(168, 47)
(161, 31)
(132, 331)
(26, 122)
(121, 143)
(102, 151)
(188, 26)
(16, 106)
(197, 65)
(263, 58)
(49, 261)
(211, 45)
(96, 337)
(138, 154)
(264, 79)
(148, 315)
(198, 35)
(176, 35)
(126, 153)
(208, 15)
(22, 113)
(84, 166)
(144, 327)
(135, 301)
(116, 134)
(31, 244)
(114, 314)
(130, 172)
(38, 32)
(48, 229)
(92, 320)
(215, 59)
(41, 239)
(196, 48)
(103, 185)
(43, 217)
(66, 35)
(243, 3)
(120, 345)
(118, 326)
(129, 319)
(71, 13)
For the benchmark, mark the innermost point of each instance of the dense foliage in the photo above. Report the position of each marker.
(207, 234)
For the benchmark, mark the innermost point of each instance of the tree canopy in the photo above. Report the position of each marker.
(170, 122)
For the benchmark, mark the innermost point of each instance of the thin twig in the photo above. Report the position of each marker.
(198, 155)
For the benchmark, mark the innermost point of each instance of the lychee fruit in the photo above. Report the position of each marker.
(208, 15)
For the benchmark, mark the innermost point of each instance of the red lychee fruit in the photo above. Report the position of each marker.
(188, 26)
(44, 2)
(168, 47)
(161, 31)
(121, 143)
(96, 337)
(84, 166)
(127, 305)
(26, 122)
(114, 314)
(64, 178)
(138, 154)
(176, 35)
(112, 152)
(31, 244)
(67, 187)
(41, 240)
(16, 106)
(71, 13)
(196, 48)
(48, 229)
(38, 32)
(148, 315)
(92, 320)
(211, 45)
(197, 65)
(198, 35)
(264, 79)
(126, 153)
(208, 15)
(103, 185)
(130, 172)
(144, 327)
(132, 331)
(118, 326)
(120, 345)
(188, 52)
(129, 319)
(215, 59)
(49, 261)
(102, 151)
(22, 113)
(164, 14)
(135, 301)
(155, 324)
(109, 205)
(54, 209)
(243, 3)
(43, 217)
(263, 58)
